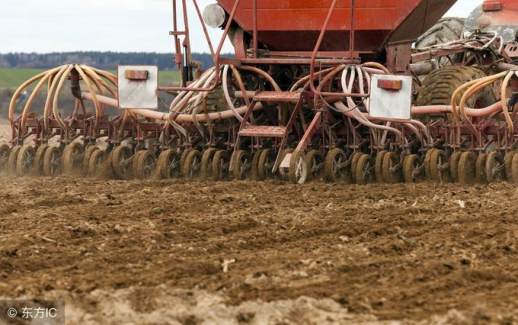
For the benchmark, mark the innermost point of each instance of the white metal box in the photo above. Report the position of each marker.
(138, 87)
(391, 97)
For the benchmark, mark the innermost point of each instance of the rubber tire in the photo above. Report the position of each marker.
(508, 161)
(378, 166)
(240, 162)
(389, 160)
(314, 163)
(120, 154)
(439, 86)
(467, 168)
(52, 168)
(89, 150)
(72, 158)
(438, 158)
(12, 160)
(354, 161)
(492, 161)
(26, 152)
(480, 168)
(255, 165)
(364, 171)
(265, 164)
(4, 157)
(206, 163)
(191, 165)
(298, 170)
(145, 159)
(410, 164)
(514, 170)
(96, 163)
(220, 165)
(454, 165)
(331, 171)
(168, 164)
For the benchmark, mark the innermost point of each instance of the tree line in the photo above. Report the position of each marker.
(102, 60)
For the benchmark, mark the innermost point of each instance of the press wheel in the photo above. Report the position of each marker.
(335, 166)
(52, 161)
(454, 166)
(427, 163)
(314, 163)
(121, 161)
(220, 165)
(191, 165)
(480, 168)
(391, 171)
(72, 158)
(467, 168)
(240, 164)
(508, 161)
(439, 168)
(364, 170)
(298, 171)
(354, 160)
(145, 164)
(265, 164)
(255, 165)
(96, 163)
(89, 150)
(495, 168)
(4, 157)
(12, 160)
(411, 172)
(25, 160)
(378, 166)
(168, 164)
(206, 163)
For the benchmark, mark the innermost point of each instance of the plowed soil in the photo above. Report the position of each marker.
(175, 251)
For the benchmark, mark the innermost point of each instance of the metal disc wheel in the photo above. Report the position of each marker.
(96, 163)
(314, 163)
(439, 166)
(335, 166)
(391, 168)
(25, 160)
(467, 168)
(73, 158)
(192, 164)
(13, 158)
(121, 161)
(454, 166)
(411, 169)
(378, 166)
(508, 162)
(145, 164)
(206, 163)
(4, 157)
(495, 167)
(52, 162)
(480, 168)
(240, 164)
(168, 164)
(298, 171)
(364, 172)
(220, 165)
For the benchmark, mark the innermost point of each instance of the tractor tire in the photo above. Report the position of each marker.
(439, 86)
(446, 30)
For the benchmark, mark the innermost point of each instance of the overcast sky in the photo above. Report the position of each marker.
(103, 25)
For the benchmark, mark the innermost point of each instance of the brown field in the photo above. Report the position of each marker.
(244, 252)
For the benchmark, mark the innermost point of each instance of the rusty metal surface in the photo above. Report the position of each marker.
(263, 131)
(277, 96)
